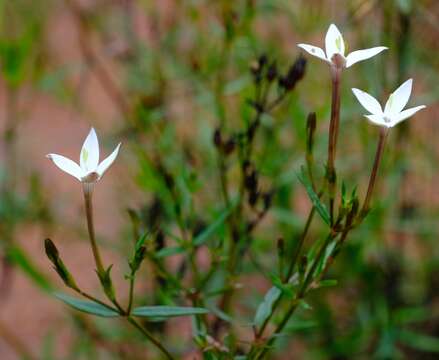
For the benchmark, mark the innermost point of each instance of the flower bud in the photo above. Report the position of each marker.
(217, 138)
(107, 283)
(310, 131)
(272, 72)
(229, 146)
(53, 255)
(294, 75)
(280, 247)
(137, 260)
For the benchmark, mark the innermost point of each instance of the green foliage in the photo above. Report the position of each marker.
(89, 307)
(212, 104)
(266, 306)
(162, 313)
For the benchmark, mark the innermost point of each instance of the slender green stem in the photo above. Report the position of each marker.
(88, 193)
(96, 300)
(150, 337)
(301, 293)
(131, 293)
(299, 246)
(294, 258)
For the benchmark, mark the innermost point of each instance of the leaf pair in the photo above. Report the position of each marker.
(153, 313)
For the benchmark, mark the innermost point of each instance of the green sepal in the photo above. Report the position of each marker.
(107, 283)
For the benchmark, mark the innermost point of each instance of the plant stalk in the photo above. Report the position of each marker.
(336, 71)
(88, 193)
(300, 295)
(372, 180)
(150, 337)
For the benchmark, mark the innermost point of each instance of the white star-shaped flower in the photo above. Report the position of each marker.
(89, 170)
(334, 44)
(393, 111)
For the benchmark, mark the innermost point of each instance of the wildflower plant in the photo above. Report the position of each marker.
(210, 293)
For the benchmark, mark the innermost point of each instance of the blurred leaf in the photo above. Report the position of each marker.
(18, 257)
(164, 312)
(265, 308)
(327, 283)
(320, 207)
(411, 315)
(87, 306)
(202, 237)
(169, 251)
(141, 241)
(287, 289)
(420, 341)
(298, 325)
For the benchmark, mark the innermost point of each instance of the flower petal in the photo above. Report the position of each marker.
(89, 158)
(399, 98)
(378, 120)
(66, 165)
(369, 102)
(313, 50)
(361, 55)
(334, 43)
(396, 119)
(104, 165)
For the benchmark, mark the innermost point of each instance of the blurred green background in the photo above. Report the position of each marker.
(160, 76)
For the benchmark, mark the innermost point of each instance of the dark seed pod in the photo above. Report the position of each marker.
(217, 138)
(268, 197)
(253, 197)
(251, 181)
(272, 72)
(262, 61)
(294, 74)
(229, 146)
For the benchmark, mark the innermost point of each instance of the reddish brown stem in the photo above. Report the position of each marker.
(333, 134)
(372, 180)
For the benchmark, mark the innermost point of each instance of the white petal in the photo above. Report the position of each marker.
(313, 50)
(396, 119)
(104, 165)
(66, 165)
(334, 43)
(361, 55)
(89, 158)
(369, 102)
(399, 98)
(379, 120)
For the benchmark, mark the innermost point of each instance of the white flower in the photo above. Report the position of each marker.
(393, 111)
(89, 170)
(334, 44)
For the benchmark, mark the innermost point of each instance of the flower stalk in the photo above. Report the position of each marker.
(336, 70)
(88, 194)
(373, 175)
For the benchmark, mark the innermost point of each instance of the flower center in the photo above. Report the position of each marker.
(90, 177)
(338, 60)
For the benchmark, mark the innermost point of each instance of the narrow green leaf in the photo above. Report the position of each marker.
(328, 283)
(169, 251)
(421, 342)
(305, 305)
(165, 312)
(320, 207)
(285, 288)
(18, 257)
(202, 237)
(141, 241)
(266, 306)
(87, 306)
